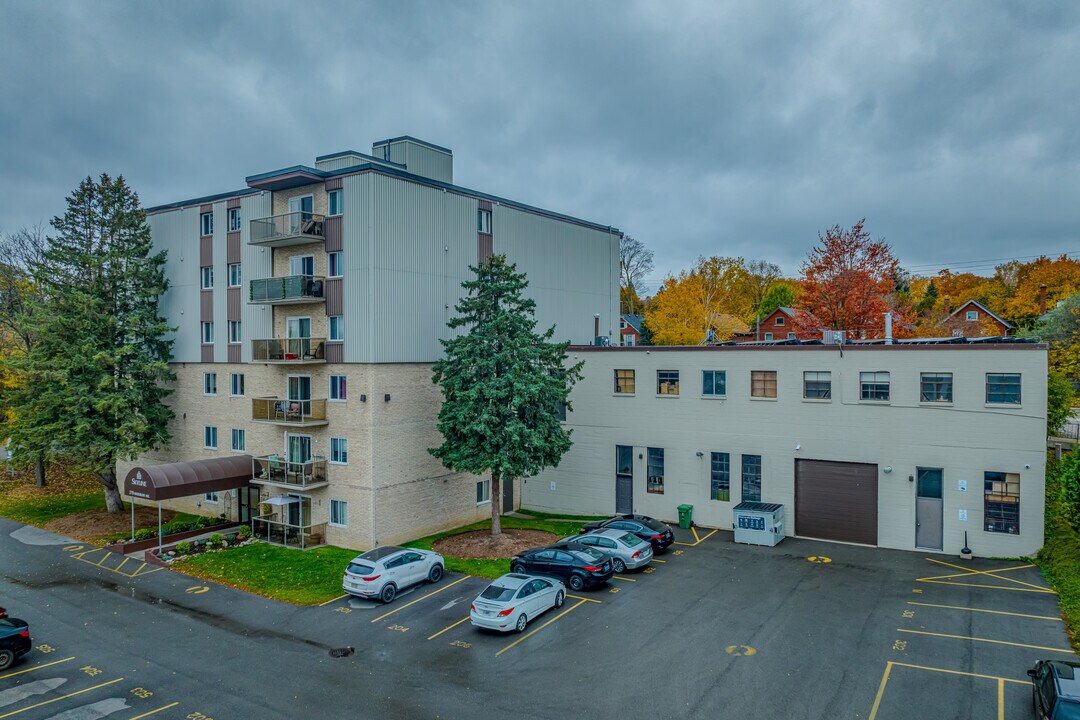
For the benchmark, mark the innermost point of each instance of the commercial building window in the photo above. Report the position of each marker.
(714, 383)
(935, 387)
(339, 451)
(238, 442)
(207, 224)
(720, 477)
(209, 383)
(337, 327)
(483, 221)
(234, 219)
(972, 314)
(333, 264)
(207, 275)
(234, 275)
(763, 383)
(624, 382)
(207, 332)
(236, 384)
(333, 201)
(624, 461)
(817, 385)
(209, 437)
(1001, 493)
(655, 474)
(1003, 388)
(234, 331)
(483, 491)
(667, 382)
(874, 385)
(210, 497)
(751, 478)
(337, 387)
(339, 513)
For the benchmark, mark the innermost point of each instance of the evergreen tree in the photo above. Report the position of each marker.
(503, 384)
(96, 379)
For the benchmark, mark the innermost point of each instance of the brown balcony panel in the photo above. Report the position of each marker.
(295, 228)
(287, 290)
(294, 413)
(272, 470)
(289, 351)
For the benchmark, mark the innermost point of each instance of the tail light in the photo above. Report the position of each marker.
(637, 554)
(657, 537)
(591, 568)
(25, 633)
(369, 578)
(472, 607)
(506, 612)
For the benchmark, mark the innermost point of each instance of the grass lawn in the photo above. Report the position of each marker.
(38, 508)
(551, 516)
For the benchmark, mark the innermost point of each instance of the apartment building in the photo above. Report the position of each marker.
(906, 445)
(309, 307)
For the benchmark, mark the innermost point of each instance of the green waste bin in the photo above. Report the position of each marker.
(686, 516)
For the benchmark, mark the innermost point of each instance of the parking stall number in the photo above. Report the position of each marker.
(899, 645)
(614, 590)
(141, 693)
(676, 552)
(909, 613)
(46, 648)
(461, 644)
(648, 570)
(399, 628)
(198, 716)
(344, 610)
(91, 671)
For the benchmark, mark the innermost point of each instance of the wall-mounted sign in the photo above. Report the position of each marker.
(963, 515)
(962, 485)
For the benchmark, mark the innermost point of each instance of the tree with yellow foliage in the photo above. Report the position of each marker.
(718, 294)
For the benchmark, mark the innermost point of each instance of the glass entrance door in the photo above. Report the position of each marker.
(300, 393)
(300, 210)
(298, 334)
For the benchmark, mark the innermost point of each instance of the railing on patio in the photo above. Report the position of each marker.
(295, 226)
(272, 469)
(292, 412)
(276, 532)
(288, 350)
(291, 288)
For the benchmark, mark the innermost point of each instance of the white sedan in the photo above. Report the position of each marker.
(510, 602)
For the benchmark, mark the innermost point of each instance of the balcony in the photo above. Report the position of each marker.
(293, 413)
(272, 470)
(295, 228)
(276, 532)
(289, 351)
(289, 290)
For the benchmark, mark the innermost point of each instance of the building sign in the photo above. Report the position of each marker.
(751, 522)
(137, 486)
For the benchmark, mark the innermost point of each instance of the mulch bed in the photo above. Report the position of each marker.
(482, 545)
(93, 524)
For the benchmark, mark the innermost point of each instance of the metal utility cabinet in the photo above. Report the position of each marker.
(759, 523)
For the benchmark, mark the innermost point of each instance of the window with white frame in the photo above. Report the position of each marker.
(210, 497)
(1003, 388)
(483, 221)
(751, 478)
(237, 441)
(667, 382)
(791, 336)
(235, 275)
(207, 332)
(972, 314)
(333, 264)
(874, 386)
(935, 387)
(339, 513)
(234, 331)
(714, 383)
(817, 385)
(337, 388)
(207, 224)
(768, 336)
(339, 451)
(337, 327)
(628, 340)
(234, 219)
(236, 384)
(207, 275)
(209, 383)
(654, 477)
(333, 202)
(210, 437)
(624, 381)
(483, 491)
(779, 320)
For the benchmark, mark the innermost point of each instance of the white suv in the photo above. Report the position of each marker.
(382, 572)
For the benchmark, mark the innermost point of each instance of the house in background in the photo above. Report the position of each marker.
(780, 324)
(973, 319)
(630, 329)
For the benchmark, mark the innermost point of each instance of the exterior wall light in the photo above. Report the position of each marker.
(887, 469)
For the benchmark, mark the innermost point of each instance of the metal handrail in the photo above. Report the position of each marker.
(271, 468)
(288, 225)
(277, 532)
(273, 409)
(289, 287)
(287, 349)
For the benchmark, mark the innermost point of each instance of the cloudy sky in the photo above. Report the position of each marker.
(700, 128)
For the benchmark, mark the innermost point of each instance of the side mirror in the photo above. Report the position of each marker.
(1031, 674)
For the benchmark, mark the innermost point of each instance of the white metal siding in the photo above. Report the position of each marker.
(255, 262)
(339, 163)
(177, 231)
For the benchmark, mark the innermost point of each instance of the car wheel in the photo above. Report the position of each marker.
(559, 599)
(518, 568)
(521, 623)
(7, 657)
(619, 565)
(435, 573)
(576, 583)
(388, 593)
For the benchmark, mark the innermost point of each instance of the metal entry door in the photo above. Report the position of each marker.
(624, 479)
(928, 508)
(508, 494)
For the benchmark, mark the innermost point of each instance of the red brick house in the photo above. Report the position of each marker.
(630, 329)
(973, 319)
(780, 324)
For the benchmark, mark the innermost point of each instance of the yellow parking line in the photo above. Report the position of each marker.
(620, 577)
(137, 571)
(449, 627)
(699, 539)
(1001, 699)
(694, 530)
(980, 585)
(126, 558)
(658, 560)
(990, 573)
(444, 587)
(880, 690)
(578, 597)
(107, 556)
(61, 697)
(154, 712)
(995, 612)
(334, 600)
(986, 640)
(579, 603)
(140, 571)
(36, 667)
(961, 672)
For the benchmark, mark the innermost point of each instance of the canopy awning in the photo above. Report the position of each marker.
(184, 479)
(280, 500)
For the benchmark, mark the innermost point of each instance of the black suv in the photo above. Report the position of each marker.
(1056, 689)
(14, 641)
(657, 533)
(579, 566)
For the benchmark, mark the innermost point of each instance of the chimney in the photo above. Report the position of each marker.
(1042, 299)
(596, 325)
(948, 307)
(888, 328)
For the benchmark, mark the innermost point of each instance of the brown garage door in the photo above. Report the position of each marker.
(836, 501)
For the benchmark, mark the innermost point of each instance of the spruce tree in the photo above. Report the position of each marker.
(503, 384)
(96, 379)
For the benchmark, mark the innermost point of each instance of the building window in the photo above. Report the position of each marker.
(236, 384)
(935, 387)
(560, 412)
(207, 224)
(714, 383)
(238, 442)
(483, 491)
(234, 219)
(763, 383)
(655, 473)
(874, 385)
(207, 333)
(1003, 388)
(339, 513)
(817, 385)
(210, 497)
(791, 336)
(720, 477)
(333, 202)
(751, 478)
(333, 264)
(667, 382)
(209, 383)
(629, 340)
(624, 382)
(337, 327)
(337, 387)
(624, 462)
(209, 437)
(622, 324)
(339, 451)
(234, 275)
(483, 221)
(972, 314)
(234, 331)
(207, 274)
(779, 321)
(768, 336)
(1001, 493)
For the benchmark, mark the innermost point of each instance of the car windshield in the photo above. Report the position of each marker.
(358, 569)
(497, 593)
(630, 540)
(587, 554)
(654, 524)
(1067, 710)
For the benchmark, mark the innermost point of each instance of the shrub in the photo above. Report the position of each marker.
(217, 539)
(184, 548)
(243, 532)
(231, 537)
(177, 526)
(203, 521)
(145, 534)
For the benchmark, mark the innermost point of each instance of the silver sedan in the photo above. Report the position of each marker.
(511, 601)
(627, 550)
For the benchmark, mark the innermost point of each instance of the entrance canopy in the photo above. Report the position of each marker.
(184, 479)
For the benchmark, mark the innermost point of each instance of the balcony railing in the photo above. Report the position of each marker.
(289, 289)
(293, 228)
(288, 412)
(272, 470)
(281, 533)
(294, 351)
